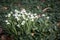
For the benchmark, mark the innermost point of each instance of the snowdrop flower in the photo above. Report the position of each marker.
(15, 14)
(7, 21)
(35, 14)
(19, 15)
(18, 25)
(23, 16)
(16, 11)
(32, 20)
(43, 14)
(6, 16)
(9, 15)
(17, 18)
(23, 11)
(28, 16)
(11, 12)
(26, 13)
(47, 17)
(32, 17)
(23, 22)
(29, 13)
(26, 19)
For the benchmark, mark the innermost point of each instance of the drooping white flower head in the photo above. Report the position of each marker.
(23, 11)
(32, 16)
(23, 16)
(19, 15)
(9, 15)
(43, 15)
(47, 17)
(18, 25)
(23, 22)
(16, 11)
(7, 21)
(11, 12)
(35, 14)
(26, 19)
(32, 20)
(29, 13)
(17, 18)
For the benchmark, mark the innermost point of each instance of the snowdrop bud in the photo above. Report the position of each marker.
(43, 14)
(23, 22)
(9, 15)
(47, 17)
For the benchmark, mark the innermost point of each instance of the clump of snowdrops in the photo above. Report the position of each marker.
(21, 19)
(22, 22)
